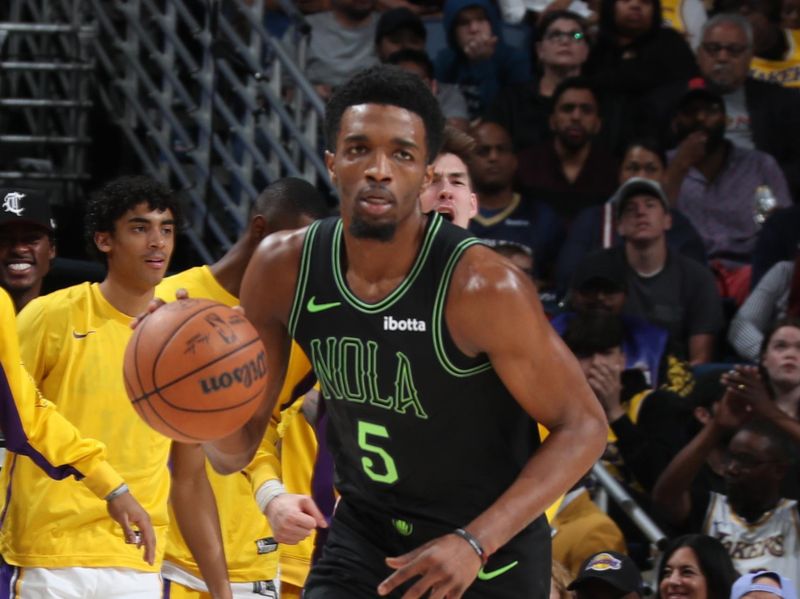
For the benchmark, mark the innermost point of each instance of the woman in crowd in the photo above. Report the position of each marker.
(776, 296)
(696, 567)
(634, 54)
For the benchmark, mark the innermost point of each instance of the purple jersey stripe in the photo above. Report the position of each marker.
(8, 578)
(17, 440)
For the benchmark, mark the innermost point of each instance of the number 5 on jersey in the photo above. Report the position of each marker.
(385, 473)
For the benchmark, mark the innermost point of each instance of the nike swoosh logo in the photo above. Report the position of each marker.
(78, 335)
(483, 575)
(314, 307)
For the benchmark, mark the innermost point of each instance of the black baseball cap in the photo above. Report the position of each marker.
(19, 205)
(638, 186)
(613, 568)
(600, 268)
(396, 19)
(698, 89)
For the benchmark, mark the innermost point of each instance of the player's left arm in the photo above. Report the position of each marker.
(197, 516)
(494, 309)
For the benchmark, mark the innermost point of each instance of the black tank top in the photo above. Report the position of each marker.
(416, 427)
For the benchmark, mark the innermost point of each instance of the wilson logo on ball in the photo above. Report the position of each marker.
(246, 375)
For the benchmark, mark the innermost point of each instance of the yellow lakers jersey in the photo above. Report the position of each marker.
(298, 452)
(250, 551)
(785, 72)
(33, 427)
(73, 342)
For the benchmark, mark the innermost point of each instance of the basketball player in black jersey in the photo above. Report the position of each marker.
(435, 361)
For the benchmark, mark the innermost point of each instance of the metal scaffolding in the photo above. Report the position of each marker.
(46, 75)
(205, 98)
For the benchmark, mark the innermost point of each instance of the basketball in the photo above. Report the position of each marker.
(195, 370)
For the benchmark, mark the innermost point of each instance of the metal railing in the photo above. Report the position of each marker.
(45, 93)
(210, 102)
(207, 100)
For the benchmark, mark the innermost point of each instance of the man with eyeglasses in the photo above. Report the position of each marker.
(755, 523)
(760, 115)
(26, 243)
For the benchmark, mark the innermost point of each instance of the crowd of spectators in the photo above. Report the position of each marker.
(641, 161)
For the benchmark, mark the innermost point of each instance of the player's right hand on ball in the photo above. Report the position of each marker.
(135, 523)
(155, 304)
(293, 517)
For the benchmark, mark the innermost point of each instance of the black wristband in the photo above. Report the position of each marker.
(474, 543)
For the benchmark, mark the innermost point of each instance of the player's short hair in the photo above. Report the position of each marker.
(287, 199)
(589, 334)
(575, 83)
(114, 199)
(417, 57)
(455, 141)
(392, 86)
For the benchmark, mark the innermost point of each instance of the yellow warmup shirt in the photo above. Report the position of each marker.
(250, 550)
(785, 72)
(32, 426)
(298, 453)
(672, 14)
(73, 342)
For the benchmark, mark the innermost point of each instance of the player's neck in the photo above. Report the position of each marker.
(23, 297)
(229, 270)
(124, 296)
(375, 268)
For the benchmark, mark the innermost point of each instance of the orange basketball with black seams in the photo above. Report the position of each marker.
(195, 370)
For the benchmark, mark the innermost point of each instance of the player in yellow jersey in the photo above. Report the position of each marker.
(192, 566)
(57, 536)
(33, 427)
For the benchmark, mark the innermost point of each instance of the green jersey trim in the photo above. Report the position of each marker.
(302, 277)
(438, 315)
(394, 296)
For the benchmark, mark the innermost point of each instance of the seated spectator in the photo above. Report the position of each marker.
(503, 214)
(595, 227)
(477, 59)
(524, 109)
(26, 243)
(755, 524)
(643, 436)
(663, 286)
(760, 115)
(763, 584)
(520, 255)
(342, 42)
(571, 171)
(599, 287)
(450, 192)
(695, 566)
(580, 529)
(771, 300)
(634, 54)
(790, 14)
(776, 50)
(608, 575)
(778, 240)
(719, 184)
(400, 29)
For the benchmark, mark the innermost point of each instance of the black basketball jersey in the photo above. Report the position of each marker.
(417, 429)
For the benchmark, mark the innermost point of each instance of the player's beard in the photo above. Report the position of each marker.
(360, 228)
